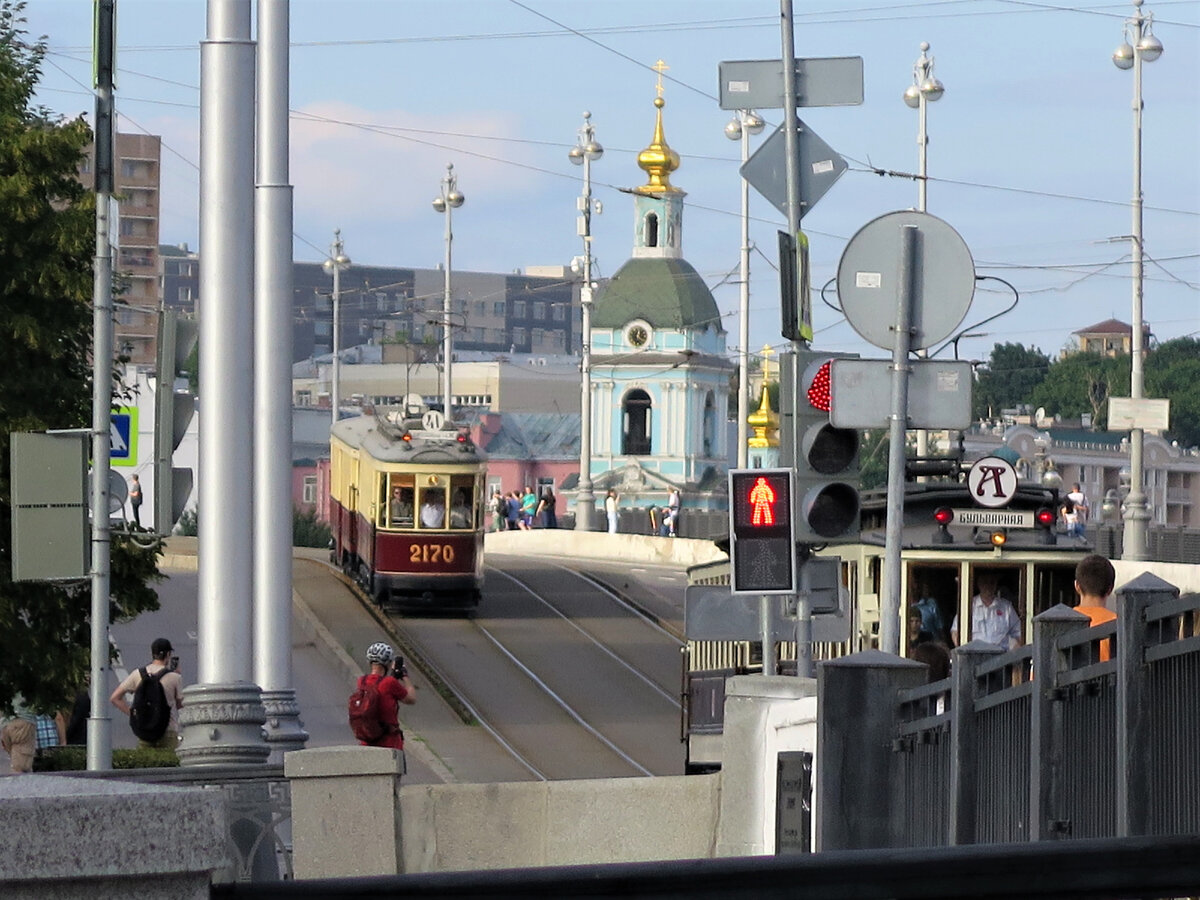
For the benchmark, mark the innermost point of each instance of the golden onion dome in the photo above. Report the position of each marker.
(658, 160)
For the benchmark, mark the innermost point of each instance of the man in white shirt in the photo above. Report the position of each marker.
(993, 618)
(433, 510)
(1079, 502)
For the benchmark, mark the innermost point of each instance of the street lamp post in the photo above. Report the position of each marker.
(924, 89)
(582, 154)
(449, 199)
(744, 123)
(1139, 45)
(334, 265)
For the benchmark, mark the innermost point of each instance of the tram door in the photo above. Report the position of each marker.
(1004, 582)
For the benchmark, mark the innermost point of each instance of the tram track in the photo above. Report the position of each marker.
(441, 646)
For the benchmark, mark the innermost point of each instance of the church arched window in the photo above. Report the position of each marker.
(635, 438)
(651, 229)
(710, 425)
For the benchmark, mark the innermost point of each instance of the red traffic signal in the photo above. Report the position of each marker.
(761, 548)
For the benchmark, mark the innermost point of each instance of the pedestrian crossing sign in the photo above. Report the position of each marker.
(123, 436)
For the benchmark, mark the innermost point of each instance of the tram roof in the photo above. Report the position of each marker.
(383, 441)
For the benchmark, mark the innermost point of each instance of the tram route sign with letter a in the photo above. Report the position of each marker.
(992, 482)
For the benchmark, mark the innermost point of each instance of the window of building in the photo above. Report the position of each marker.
(130, 169)
(498, 308)
(518, 309)
(310, 489)
(651, 230)
(539, 337)
(518, 336)
(127, 316)
(477, 335)
(539, 310)
(560, 312)
(480, 308)
(635, 439)
(304, 398)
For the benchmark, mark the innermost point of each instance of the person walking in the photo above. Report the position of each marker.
(165, 667)
(499, 509)
(610, 510)
(512, 511)
(135, 500)
(546, 510)
(1078, 499)
(18, 737)
(529, 505)
(673, 504)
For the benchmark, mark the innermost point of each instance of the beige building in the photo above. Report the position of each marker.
(136, 178)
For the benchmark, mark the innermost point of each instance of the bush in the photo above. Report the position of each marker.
(74, 759)
(308, 530)
(189, 522)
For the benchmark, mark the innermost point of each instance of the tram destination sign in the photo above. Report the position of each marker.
(995, 518)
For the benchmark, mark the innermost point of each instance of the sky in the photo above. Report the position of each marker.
(1030, 153)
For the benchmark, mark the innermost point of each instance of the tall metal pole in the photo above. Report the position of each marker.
(445, 203)
(583, 153)
(223, 715)
(1137, 514)
(337, 261)
(924, 89)
(272, 390)
(744, 123)
(889, 608)
(99, 734)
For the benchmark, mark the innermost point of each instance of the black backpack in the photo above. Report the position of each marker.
(150, 712)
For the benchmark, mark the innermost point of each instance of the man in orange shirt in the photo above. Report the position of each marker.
(1094, 580)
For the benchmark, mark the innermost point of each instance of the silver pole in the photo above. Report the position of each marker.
(335, 387)
(889, 612)
(743, 431)
(447, 307)
(585, 500)
(99, 734)
(1137, 514)
(223, 715)
(272, 390)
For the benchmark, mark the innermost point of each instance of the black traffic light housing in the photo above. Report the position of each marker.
(762, 551)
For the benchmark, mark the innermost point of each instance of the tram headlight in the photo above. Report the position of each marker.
(999, 538)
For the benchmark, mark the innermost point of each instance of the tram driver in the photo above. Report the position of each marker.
(400, 507)
(460, 510)
(993, 618)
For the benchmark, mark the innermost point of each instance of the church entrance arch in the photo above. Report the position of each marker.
(635, 438)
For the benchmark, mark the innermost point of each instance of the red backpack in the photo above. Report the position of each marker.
(365, 708)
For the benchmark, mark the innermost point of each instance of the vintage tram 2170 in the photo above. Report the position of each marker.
(406, 511)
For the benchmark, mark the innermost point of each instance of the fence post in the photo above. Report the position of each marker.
(1047, 755)
(964, 752)
(856, 703)
(1133, 701)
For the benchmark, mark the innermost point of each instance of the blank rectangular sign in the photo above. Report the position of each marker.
(939, 393)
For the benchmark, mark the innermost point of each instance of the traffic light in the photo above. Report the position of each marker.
(826, 459)
(762, 552)
(173, 412)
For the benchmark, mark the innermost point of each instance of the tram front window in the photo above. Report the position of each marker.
(400, 504)
(462, 501)
(433, 508)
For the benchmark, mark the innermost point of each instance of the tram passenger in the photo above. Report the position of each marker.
(460, 510)
(932, 623)
(993, 618)
(433, 510)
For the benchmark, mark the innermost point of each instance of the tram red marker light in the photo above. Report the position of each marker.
(406, 437)
(943, 516)
(1045, 517)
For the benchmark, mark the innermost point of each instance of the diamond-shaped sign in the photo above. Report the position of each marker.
(819, 167)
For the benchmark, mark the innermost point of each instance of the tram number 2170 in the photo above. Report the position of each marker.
(431, 553)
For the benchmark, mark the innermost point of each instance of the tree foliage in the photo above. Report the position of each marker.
(47, 223)
(1173, 371)
(1009, 378)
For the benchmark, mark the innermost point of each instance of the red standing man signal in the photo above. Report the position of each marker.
(762, 498)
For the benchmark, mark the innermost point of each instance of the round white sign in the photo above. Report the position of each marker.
(433, 420)
(992, 482)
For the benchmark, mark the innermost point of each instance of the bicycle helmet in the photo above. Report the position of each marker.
(380, 653)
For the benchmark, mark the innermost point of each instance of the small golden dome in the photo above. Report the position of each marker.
(658, 160)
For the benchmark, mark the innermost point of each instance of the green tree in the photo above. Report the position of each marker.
(1008, 379)
(1080, 384)
(1173, 371)
(47, 227)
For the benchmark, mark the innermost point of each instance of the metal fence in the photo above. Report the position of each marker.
(1088, 732)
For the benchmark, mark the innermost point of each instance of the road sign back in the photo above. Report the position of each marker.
(820, 166)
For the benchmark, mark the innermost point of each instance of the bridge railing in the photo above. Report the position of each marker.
(1087, 732)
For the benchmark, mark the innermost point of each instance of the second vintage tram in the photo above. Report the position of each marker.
(406, 510)
(947, 544)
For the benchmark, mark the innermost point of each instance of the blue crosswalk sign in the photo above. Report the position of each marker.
(123, 437)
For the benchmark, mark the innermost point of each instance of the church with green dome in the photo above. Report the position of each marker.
(660, 376)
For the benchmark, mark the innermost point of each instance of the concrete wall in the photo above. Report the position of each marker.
(93, 839)
(351, 817)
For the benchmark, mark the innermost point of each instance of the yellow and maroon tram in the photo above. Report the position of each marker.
(947, 543)
(406, 510)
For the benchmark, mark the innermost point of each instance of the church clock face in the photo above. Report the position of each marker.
(637, 335)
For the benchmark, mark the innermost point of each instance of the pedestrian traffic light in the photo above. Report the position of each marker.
(173, 412)
(826, 459)
(762, 551)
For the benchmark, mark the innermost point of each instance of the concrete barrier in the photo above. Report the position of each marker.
(351, 816)
(66, 838)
